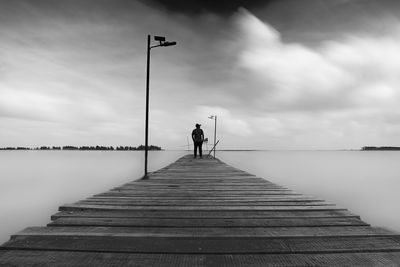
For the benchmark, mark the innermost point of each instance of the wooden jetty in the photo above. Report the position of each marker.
(202, 212)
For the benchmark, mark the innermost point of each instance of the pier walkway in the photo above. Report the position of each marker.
(202, 212)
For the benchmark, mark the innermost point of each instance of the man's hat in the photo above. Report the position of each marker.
(198, 125)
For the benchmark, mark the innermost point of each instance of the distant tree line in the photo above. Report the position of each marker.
(367, 148)
(102, 148)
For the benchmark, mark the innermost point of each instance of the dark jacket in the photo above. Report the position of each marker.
(197, 135)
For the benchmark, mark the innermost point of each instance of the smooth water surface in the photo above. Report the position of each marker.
(33, 184)
(365, 182)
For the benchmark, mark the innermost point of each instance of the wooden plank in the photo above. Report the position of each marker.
(209, 198)
(216, 245)
(84, 259)
(206, 180)
(77, 206)
(173, 190)
(204, 194)
(189, 202)
(203, 181)
(210, 232)
(200, 183)
(196, 188)
(210, 222)
(194, 174)
(204, 214)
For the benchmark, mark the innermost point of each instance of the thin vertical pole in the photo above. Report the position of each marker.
(146, 142)
(215, 134)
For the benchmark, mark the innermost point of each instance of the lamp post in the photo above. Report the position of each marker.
(214, 117)
(162, 42)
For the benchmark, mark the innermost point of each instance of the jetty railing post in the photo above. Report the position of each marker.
(209, 153)
(162, 42)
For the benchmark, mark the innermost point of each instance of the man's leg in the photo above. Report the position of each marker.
(200, 149)
(195, 148)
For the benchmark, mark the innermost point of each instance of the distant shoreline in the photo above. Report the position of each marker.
(381, 148)
(85, 148)
(157, 148)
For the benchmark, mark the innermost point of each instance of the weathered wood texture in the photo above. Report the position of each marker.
(202, 212)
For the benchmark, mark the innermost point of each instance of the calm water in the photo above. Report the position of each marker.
(33, 184)
(365, 182)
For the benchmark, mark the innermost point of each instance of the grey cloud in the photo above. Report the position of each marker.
(222, 7)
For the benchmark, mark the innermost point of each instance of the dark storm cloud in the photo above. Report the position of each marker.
(223, 7)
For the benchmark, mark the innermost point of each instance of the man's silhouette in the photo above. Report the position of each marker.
(198, 137)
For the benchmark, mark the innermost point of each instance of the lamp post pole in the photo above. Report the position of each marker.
(162, 42)
(215, 134)
(146, 139)
(214, 117)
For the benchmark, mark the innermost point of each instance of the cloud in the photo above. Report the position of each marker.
(192, 7)
(336, 90)
(344, 74)
(231, 125)
(79, 71)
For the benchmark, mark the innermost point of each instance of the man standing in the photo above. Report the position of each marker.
(198, 137)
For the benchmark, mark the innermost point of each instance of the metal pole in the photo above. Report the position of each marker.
(146, 142)
(215, 134)
(209, 153)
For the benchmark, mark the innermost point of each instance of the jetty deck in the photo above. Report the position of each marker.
(202, 212)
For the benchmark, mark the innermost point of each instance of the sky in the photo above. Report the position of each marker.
(285, 74)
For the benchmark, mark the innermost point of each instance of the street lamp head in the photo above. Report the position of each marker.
(162, 42)
(168, 43)
(211, 117)
(159, 38)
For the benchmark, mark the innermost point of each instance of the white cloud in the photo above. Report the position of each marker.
(228, 123)
(339, 74)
